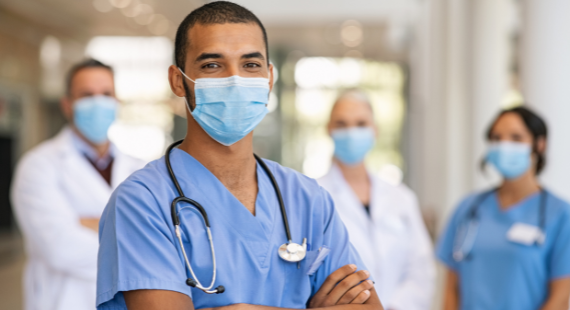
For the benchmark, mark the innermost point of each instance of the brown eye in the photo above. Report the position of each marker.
(210, 66)
(252, 65)
(517, 137)
(495, 137)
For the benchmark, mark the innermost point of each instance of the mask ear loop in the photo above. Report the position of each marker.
(185, 100)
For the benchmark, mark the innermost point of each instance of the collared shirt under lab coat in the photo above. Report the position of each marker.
(54, 186)
(392, 242)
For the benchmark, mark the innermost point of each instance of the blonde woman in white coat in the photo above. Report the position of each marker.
(383, 220)
(60, 190)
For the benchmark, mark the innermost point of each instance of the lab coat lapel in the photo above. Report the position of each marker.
(346, 201)
(81, 179)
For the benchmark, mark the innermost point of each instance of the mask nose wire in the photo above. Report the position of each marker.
(186, 75)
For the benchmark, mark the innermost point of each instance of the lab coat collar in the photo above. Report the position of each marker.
(80, 167)
(378, 198)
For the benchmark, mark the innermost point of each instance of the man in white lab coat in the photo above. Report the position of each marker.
(60, 190)
(383, 220)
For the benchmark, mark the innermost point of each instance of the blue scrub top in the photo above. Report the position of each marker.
(139, 249)
(502, 274)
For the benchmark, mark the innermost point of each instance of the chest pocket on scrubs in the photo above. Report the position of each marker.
(299, 281)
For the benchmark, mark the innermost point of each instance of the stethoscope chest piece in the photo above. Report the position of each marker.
(293, 252)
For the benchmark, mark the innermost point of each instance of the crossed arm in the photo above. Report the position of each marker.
(343, 289)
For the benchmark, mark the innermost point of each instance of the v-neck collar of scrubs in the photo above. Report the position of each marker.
(255, 230)
(518, 207)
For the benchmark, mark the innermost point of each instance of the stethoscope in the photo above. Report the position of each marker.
(290, 251)
(462, 250)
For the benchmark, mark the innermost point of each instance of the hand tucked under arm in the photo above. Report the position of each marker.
(343, 289)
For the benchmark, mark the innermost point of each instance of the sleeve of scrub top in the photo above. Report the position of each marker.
(49, 224)
(137, 248)
(415, 291)
(336, 238)
(444, 249)
(560, 259)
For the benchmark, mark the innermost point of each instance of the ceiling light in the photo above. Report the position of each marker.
(102, 6)
(146, 14)
(159, 25)
(120, 3)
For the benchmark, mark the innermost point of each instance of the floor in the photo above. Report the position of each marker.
(11, 266)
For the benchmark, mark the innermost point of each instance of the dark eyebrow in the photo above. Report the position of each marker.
(253, 55)
(205, 56)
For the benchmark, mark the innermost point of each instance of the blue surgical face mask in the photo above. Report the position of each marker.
(352, 144)
(93, 116)
(229, 108)
(512, 159)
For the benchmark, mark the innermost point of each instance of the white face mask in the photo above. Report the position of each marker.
(229, 108)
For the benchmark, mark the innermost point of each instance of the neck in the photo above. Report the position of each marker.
(100, 149)
(352, 172)
(357, 178)
(233, 165)
(515, 190)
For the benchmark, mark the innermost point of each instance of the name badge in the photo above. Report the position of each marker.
(525, 234)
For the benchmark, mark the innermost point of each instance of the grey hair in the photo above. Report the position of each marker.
(353, 94)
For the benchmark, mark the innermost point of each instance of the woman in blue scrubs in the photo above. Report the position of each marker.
(509, 248)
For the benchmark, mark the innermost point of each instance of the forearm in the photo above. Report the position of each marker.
(336, 307)
(559, 295)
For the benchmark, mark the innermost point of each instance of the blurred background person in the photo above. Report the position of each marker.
(60, 189)
(383, 220)
(435, 72)
(509, 247)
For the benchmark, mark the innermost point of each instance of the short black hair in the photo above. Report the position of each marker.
(534, 123)
(219, 12)
(85, 64)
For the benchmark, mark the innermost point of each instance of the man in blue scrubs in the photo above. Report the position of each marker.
(223, 72)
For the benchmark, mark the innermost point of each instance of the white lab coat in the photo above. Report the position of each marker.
(54, 186)
(393, 242)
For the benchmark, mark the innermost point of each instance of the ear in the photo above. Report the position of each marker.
(541, 145)
(271, 77)
(66, 105)
(176, 80)
(376, 130)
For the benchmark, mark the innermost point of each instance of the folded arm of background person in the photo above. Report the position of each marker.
(50, 225)
(415, 291)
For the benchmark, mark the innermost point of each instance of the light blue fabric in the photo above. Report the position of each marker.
(511, 159)
(94, 115)
(230, 108)
(352, 144)
(139, 249)
(501, 274)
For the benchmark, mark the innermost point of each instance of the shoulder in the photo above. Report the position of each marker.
(151, 176)
(290, 179)
(141, 192)
(302, 191)
(557, 206)
(43, 156)
(401, 192)
(465, 204)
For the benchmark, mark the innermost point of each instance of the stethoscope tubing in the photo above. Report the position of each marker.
(176, 220)
(473, 225)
